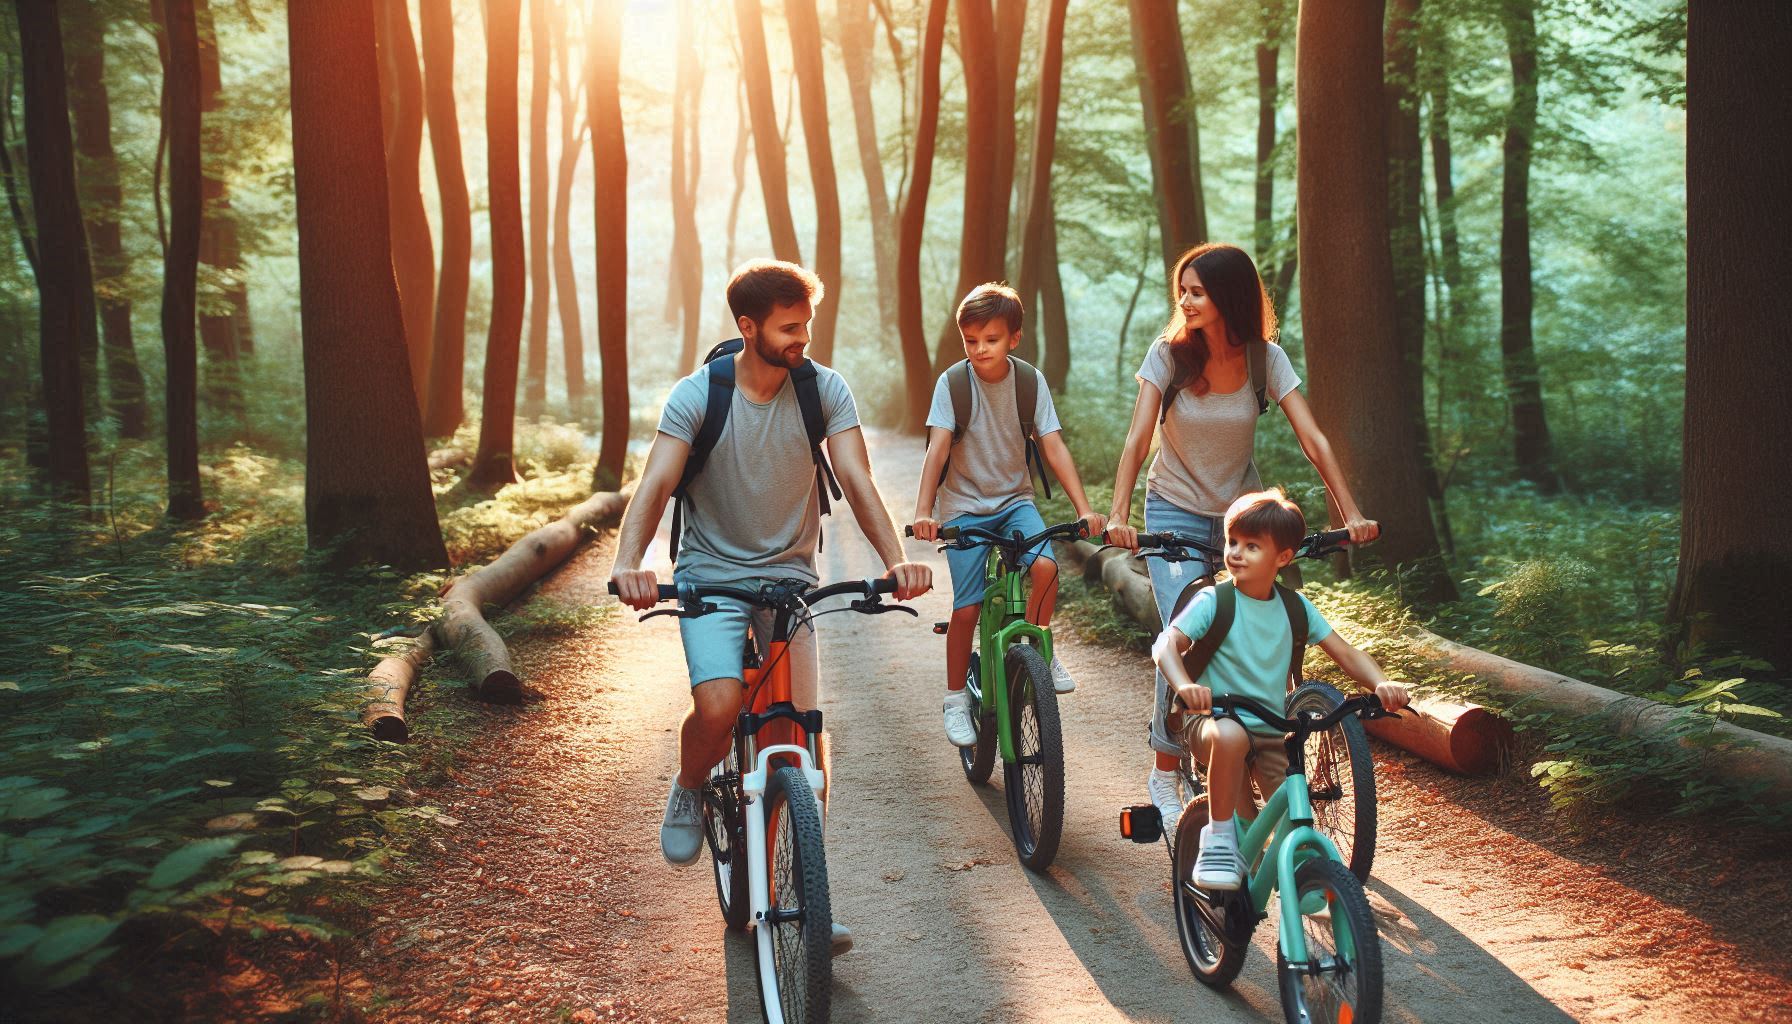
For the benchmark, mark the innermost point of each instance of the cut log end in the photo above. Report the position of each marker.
(1465, 738)
(499, 687)
(391, 729)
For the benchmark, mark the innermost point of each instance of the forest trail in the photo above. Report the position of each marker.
(550, 900)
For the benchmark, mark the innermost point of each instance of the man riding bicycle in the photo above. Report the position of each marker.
(752, 512)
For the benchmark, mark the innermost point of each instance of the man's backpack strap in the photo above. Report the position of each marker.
(715, 416)
(1297, 629)
(1200, 653)
(1256, 365)
(815, 424)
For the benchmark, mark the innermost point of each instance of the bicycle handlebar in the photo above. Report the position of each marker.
(1175, 546)
(1365, 705)
(764, 598)
(972, 536)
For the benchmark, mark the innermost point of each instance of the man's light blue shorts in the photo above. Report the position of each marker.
(715, 644)
(967, 565)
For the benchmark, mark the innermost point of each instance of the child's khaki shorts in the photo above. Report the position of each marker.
(1267, 763)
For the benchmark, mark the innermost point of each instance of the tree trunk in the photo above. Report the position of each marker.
(741, 139)
(1347, 281)
(566, 279)
(66, 327)
(1437, 87)
(1011, 28)
(1274, 16)
(805, 48)
(1518, 354)
(367, 495)
(535, 381)
(917, 368)
(686, 284)
(182, 87)
(494, 465)
(1171, 133)
(219, 329)
(768, 146)
(101, 201)
(443, 404)
(1039, 186)
(857, 53)
(413, 251)
(609, 157)
(1053, 319)
(1735, 553)
(983, 238)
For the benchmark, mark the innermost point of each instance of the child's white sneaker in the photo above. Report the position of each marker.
(1168, 798)
(1061, 681)
(1218, 868)
(959, 727)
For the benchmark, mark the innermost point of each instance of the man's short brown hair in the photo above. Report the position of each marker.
(759, 285)
(1267, 514)
(992, 301)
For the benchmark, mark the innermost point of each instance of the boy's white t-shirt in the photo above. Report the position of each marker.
(1253, 659)
(988, 469)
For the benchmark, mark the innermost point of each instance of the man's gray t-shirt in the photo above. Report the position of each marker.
(753, 512)
(988, 469)
(1204, 461)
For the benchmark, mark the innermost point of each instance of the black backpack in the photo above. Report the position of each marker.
(1026, 400)
(1256, 356)
(720, 361)
(1225, 596)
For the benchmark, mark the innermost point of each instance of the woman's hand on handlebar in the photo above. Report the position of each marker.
(912, 579)
(1362, 531)
(1393, 696)
(638, 588)
(926, 529)
(1093, 523)
(1195, 698)
(1121, 535)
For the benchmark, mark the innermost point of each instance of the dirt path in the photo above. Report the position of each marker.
(550, 901)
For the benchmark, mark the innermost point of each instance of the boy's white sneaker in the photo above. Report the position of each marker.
(959, 727)
(1167, 797)
(1218, 868)
(840, 941)
(1061, 681)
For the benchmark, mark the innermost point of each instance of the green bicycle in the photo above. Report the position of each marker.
(1012, 700)
(1328, 959)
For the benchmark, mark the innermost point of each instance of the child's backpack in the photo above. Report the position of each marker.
(1256, 356)
(715, 416)
(1225, 608)
(1026, 400)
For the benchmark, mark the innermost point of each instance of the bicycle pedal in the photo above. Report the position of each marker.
(1142, 824)
(939, 628)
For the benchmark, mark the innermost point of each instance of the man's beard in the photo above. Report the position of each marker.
(788, 356)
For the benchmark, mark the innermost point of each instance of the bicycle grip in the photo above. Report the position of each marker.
(883, 585)
(948, 533)
(1333, 538)
(611, 586)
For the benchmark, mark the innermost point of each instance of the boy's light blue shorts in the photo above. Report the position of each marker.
(967, 565)
(715, 644)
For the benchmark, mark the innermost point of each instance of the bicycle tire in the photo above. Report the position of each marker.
(1354, 993)
(1214, 929)
(1340, 779)
(979, 759)
(796, 863)
(1033, 782)
(725, 831)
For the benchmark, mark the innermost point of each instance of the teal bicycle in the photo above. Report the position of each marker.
(1328, 957)
(1012, 700)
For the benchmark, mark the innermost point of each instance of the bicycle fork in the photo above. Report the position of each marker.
(759, 887)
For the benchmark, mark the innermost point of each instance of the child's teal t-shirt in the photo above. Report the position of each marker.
(1253, 659)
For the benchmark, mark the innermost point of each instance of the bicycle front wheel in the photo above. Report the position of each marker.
(1341, 980)
(799, 977)
(1034, 780)
(1340, 779)
(726, 834)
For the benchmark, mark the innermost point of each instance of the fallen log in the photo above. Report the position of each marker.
(462, 626)
(445, 458)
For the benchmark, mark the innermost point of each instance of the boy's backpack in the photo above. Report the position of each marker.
(1225, 608)
(715, 416)
(1256, 358)
(1026, 400)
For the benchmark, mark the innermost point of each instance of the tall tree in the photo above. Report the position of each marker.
(1347, 280)
(220, 328)
(566, 281)
(66, 327)
(1033, 262)
(742, 137)
(413, 251)
(857, 50)
(1052, 319)
(535, 381)
(1435, 74)
(443, 410)
(494, 465)
(101, 202)
(1172, 134)
(685, 294)
(1735, 553)
(182, 91)
(805, 47)
(367, 495)
(768, 145)
(917, 368)
(609, 157)
(1272, 25)
(1518, 353)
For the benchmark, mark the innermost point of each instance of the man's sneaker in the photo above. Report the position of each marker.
(1162, 787)
(1218, 867)
(1061, 681)
(841, 941)
(681, 831)
(959, 727)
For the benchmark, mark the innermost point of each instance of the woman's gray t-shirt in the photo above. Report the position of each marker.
(988, 469)
(753, 512)
(1204, 459)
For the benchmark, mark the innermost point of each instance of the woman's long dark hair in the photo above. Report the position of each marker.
(1231, 281)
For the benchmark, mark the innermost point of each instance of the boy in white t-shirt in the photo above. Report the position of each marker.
(1262, 531)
